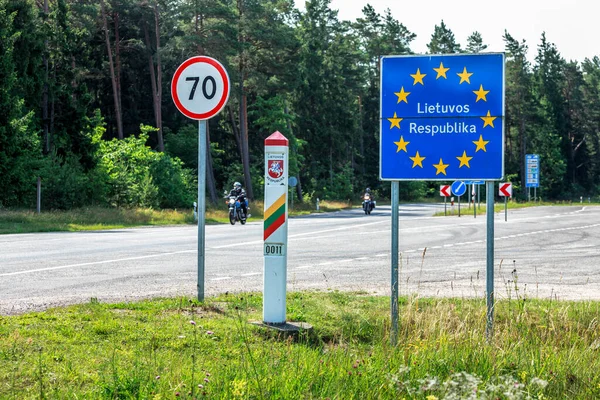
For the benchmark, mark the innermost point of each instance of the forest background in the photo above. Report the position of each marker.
(85, 102)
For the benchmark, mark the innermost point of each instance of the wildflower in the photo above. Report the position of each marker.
(177, 394)
(206, 380)
(193, 322)
(209, 332)
(157, 376)
(431, 397)
(349, 372)
(208, 374)
(200, 386)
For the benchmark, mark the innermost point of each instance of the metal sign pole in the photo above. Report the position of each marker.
(395, 234)
(490, 260)
(445, 206)
(459, 206)
(200, 105)
(505, 209)
(474, 203)
(201, 204)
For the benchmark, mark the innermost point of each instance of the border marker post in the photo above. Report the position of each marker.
(275, 229)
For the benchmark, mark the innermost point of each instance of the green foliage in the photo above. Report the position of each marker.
(308, 74)
(138, 176)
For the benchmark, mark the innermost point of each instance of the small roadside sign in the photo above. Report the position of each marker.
(459, 188)
(505, 189)
(445, 191)
(532, 166)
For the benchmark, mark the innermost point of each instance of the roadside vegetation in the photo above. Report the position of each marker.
(96, 218)
(465, 209)
(179, 348)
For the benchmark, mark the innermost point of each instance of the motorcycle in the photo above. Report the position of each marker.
(368, 204)
(236, 212)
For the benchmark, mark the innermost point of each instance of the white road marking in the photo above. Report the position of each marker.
(252, 274)
(223, 278)
(29, 271)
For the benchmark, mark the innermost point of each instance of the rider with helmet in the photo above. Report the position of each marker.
(368, 194)
(239, 192)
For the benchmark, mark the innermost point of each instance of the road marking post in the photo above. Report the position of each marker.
(275, 229)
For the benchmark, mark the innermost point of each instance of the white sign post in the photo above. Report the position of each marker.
(200, 89)
(275, 229)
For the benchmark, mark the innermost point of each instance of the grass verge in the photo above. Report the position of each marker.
(83, 219)
(498, 206)
(178, 348)
(97, 218)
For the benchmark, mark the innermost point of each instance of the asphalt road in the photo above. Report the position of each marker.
(545, 252)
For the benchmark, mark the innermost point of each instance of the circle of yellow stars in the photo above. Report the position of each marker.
(480, 144)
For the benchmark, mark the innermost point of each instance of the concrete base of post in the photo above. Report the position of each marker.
(287, 328)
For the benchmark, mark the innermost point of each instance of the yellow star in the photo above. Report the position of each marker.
(402, 95)
(441, 71)
(480, 144)
(418, 77)
(488, 120)
(417, 160)
(441, 167)
(395, 122)
(401, 145)
(464, 160)
(481, 93)
(464, 76)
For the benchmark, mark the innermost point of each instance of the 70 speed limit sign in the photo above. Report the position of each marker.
(200, 87)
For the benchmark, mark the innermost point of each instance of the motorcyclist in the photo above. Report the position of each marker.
(368, 192)
(240, 194)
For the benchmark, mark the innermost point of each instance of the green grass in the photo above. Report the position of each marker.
(499, 206)
(151, 350)
(13, 221)
(96, 218)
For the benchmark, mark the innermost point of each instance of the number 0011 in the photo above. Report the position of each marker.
(274, 249)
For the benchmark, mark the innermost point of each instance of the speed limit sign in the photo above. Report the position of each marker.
(200, 87)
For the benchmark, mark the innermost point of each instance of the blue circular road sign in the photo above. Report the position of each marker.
(458, 188)
(292, 181)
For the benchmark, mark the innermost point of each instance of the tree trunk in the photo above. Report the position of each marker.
(158, 91)
(244, 141)
(243, 105)
(118, 58)
(293, 152)
(523, 155)
(155, 84)
(112, 73)
(45, 120)
(236, 131)
(210, 174)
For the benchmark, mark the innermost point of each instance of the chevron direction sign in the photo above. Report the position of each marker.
(445, 191)
(505, 189)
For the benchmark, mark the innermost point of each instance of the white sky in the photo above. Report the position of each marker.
(572, 25)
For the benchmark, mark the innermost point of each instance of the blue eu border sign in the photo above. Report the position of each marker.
(442, 117)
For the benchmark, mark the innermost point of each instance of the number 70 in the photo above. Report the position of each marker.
(196, 79)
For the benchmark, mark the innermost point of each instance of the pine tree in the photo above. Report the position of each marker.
(443, 41)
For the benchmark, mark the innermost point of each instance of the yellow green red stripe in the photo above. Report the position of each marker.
(274, 216)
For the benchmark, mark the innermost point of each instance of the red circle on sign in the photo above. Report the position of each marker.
(224, 96)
